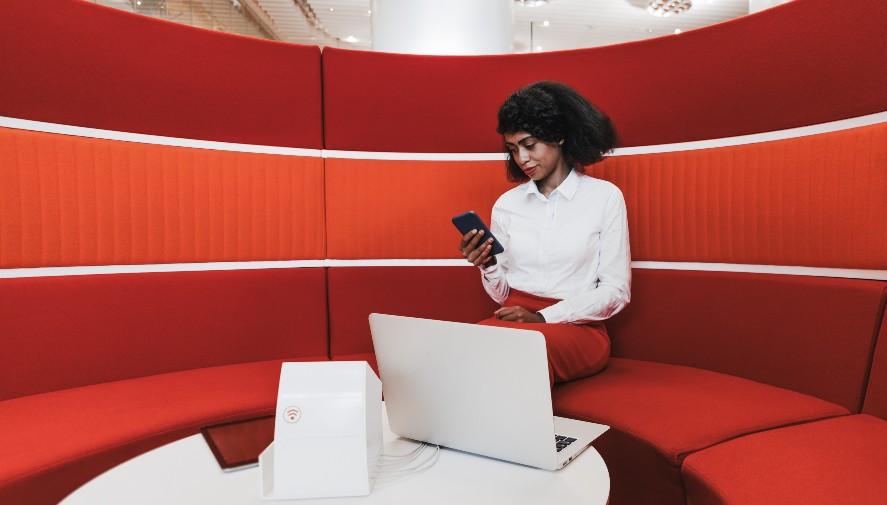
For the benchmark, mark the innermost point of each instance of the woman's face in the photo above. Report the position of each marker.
(538, 159)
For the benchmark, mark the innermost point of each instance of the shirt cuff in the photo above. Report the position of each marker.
(491, 271)
(556, 313)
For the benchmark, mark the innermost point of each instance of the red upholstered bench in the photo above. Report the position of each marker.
(53, 442)
(788, 349)
(700, 358)
(108, 366)
(839, 460)
(660, 413)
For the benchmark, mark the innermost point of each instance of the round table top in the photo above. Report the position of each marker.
(186, 472)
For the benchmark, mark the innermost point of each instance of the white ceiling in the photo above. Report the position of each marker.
(572, 23)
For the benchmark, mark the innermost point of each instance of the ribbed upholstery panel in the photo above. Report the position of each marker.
(813, 201)
(68, 200)
(816, 201)
(402, 209)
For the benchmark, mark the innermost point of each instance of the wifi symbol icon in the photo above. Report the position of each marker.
(292, 414)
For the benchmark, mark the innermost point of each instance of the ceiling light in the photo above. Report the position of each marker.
(546, 23)
(332, 9)
(351, 39)
(538, 48)
(677, 31)
(532, 3)
(370, 11)
(665, 8)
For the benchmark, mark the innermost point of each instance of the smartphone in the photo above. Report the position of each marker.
(470, 221)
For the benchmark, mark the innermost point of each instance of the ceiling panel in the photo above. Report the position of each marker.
(560, 24)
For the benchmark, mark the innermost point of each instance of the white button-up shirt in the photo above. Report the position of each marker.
(572, 245)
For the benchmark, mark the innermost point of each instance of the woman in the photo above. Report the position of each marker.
(566, 265)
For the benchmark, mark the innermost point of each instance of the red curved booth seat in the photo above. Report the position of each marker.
(766, 351)
(823, 463)
(660, 413)
(724, 388)
(108, 366)
(54, 442)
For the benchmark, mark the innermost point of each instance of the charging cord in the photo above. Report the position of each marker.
(395, 467)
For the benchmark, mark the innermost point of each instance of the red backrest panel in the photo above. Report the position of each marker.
(747, 75)
(78, 63)
(809, 334)
(67, 200)
(62, 332)
(446, 293)
(876, 392)
(817, 200)
(402, 209)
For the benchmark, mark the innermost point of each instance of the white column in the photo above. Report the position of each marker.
(759, 5)
(442, 27)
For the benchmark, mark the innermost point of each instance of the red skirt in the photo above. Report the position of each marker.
(574, 350)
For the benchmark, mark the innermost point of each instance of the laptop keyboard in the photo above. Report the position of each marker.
(561, 441)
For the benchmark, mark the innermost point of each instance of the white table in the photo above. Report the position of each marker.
(185, 472)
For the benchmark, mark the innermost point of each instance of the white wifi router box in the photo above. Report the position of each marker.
(327, 431)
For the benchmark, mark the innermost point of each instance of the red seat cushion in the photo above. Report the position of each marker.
(840, 460)
(680, 409)
(659, 413)
(51, 443)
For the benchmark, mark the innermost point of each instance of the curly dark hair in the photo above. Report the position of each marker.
(551, 112)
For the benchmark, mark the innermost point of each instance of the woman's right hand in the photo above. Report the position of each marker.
(476, 250)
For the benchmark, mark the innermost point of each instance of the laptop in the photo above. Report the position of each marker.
(478, 389)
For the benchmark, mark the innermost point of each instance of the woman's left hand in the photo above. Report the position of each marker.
(518, 314)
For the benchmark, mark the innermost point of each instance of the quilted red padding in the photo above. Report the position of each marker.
(835, 461)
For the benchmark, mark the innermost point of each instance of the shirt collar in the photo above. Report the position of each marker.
(567, 188)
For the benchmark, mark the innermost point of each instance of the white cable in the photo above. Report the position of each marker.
(421, 467)
(410, 467)
(386, 476)
(411, 453)
(405, 459)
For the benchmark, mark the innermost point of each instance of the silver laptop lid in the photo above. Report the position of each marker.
(480, 389)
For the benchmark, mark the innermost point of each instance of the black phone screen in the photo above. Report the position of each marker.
(468, 221)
